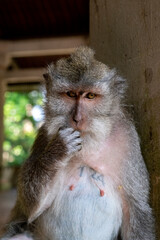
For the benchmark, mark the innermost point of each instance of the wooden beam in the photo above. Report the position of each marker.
(45, 43)
(4, 60)
(26, 75)
(41, 52)
(39, 47)
(24, 87)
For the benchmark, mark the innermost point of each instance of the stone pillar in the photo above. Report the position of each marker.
(126, 35)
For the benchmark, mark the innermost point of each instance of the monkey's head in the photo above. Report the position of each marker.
(82, 93)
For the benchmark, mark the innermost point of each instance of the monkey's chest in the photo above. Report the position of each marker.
(88, 209)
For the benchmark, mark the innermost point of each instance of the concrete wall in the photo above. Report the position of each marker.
(126, 35)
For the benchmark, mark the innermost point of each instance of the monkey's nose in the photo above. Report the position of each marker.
(77, 117)
(77, 120)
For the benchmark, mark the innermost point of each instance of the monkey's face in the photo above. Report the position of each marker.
(85, 109)
(82, 93)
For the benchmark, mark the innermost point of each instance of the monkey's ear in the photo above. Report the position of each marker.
(46, 76)
(120, 86)
(47, 80)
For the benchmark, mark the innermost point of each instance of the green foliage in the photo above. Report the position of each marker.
(19, 125)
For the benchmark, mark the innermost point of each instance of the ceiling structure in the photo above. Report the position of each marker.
(35, 32)
(21, 19)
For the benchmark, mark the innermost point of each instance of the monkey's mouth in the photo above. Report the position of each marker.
(81, 127)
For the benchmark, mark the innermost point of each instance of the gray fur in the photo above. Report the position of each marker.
(46, 202)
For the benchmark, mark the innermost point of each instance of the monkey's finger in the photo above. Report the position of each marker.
(66, 131)
(75, 134)
(71, 137)
(76, 141)
(74, 148)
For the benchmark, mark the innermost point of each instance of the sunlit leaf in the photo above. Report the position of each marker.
(19, 125)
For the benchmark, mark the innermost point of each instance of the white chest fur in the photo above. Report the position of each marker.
(87, 208)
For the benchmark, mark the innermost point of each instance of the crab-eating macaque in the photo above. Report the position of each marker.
(85, 178)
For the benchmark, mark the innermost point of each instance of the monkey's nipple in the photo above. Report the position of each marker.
(71, 187)
(101, 193)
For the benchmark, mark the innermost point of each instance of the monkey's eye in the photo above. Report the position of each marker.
(90, 95)
(71, 94)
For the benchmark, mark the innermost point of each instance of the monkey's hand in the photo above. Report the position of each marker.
(71, 139)
(60, 149)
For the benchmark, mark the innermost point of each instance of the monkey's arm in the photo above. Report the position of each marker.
(18, 219)
(36, 174)
(138, 223)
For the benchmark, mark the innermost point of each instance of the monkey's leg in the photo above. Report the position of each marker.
(138, 221)
(23, 236)
(17, 225)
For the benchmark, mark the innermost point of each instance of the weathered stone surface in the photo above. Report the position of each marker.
(126, 35)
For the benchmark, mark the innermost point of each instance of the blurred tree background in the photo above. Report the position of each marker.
(23, 115)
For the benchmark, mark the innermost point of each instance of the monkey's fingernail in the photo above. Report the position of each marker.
(71, 187)
(101, 193)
